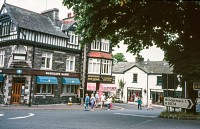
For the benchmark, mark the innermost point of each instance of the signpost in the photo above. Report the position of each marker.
(178, 102)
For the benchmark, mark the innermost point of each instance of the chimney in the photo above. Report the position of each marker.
(139, 59)
(53, 14)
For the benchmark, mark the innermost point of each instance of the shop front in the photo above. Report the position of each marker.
(1, 89)
(30, 86)
(156, 96)
(133, 93)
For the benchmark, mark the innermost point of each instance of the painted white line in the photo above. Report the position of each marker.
(30, 114)
(1, 114)
(136, 115)
(144, 122)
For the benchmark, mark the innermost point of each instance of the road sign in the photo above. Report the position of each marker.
(198, 100)
(178, 102)
(196, 86)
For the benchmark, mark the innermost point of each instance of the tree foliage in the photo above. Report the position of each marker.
(119, 57)
(171, 25)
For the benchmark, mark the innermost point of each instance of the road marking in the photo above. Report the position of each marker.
(30, 114)
(1, 114)
(135, 115)
(144, 122)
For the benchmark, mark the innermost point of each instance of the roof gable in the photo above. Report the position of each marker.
(33, 21)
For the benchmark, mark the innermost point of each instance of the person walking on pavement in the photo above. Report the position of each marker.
(139, 101)
(109, 100)
(92, 101)
(97, 99)
(87, 100)
(150, 105)
(103, 98)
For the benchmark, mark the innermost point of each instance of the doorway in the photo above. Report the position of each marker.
(17, 90)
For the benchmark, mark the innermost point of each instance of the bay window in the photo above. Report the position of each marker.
(106, 67)
(94, 66)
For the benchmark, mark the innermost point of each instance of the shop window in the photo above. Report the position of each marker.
(73, 38)
(69, 89)
(95, 45)
(44, 89)
(135, 78)
(2, 53)
(106, 67)
(46, 60)
(105, 46)
(159, 80)
(94, 66)
(70, 63)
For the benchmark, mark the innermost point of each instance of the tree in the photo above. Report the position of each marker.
(122, 83)
(119, 57)
(171, 25)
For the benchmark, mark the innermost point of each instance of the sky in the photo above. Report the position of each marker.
(153, 53)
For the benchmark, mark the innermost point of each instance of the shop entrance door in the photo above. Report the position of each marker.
(16, 93)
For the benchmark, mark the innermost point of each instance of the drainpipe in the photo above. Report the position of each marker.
(147, 89)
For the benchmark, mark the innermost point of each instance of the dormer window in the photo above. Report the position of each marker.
(73, 38)
(19, 53)
(105, 46)
(95, 45)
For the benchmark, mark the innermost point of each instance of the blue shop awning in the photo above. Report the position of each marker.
(46, 80)
(1, 77)
(71, 81)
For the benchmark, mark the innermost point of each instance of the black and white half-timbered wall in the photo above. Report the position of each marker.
(40, 57)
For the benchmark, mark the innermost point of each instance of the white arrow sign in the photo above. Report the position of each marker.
(178, 102)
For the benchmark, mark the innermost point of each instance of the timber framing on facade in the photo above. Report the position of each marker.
(40, 57)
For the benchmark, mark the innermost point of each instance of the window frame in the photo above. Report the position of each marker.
(105, 45)
(46, 57)
(44, 87)
(2, 56)
(73, 38)
(94, 65)
(106, 67)
(95, 45)
(135, 77)
(67, 89)
(159, 81)
(70, 59)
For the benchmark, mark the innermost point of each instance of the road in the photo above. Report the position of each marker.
(128, 118)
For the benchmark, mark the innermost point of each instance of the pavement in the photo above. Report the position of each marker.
(73, 106)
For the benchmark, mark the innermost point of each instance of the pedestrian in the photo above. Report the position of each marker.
(87, 100)
(150, 106)
(97, 99)
(109, 102)
(103, 98)
(92, 101)
(139, 101)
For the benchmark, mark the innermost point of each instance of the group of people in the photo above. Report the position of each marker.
(94, 100)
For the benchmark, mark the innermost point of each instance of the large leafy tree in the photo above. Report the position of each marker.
(171, 25)
(119, 57)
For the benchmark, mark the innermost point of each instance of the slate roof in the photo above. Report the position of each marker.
(33, 21)
(151, 67)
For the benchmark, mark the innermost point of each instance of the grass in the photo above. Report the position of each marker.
(180, 115)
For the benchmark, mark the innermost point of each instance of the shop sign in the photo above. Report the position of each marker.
(93, 78)
(57, 74)
(196, 86)
(107, 78)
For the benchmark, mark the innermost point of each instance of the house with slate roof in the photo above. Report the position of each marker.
(142, 79)
(40, 57)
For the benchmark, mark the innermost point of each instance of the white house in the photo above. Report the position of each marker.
(142, 79)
